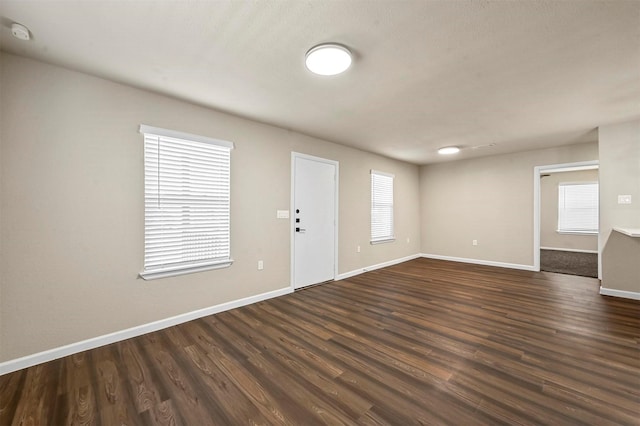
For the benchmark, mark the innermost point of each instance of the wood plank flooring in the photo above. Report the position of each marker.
(423, 342)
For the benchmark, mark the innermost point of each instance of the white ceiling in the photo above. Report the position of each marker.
(521, 75)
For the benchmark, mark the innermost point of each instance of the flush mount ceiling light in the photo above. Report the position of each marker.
(328, 59)
(448, 150)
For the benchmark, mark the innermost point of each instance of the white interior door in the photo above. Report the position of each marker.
(314, 219)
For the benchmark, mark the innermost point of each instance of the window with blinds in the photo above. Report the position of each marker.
(381, 207)
(578, 208)
(186, 203)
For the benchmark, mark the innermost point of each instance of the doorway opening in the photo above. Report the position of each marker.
(565, 229)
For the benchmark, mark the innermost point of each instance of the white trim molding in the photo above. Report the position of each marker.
(73, 348)
(480, 262)
(569, 249)
(359, 271)
(619, 293)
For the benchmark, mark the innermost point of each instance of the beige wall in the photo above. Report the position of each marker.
(549, 236)
(2, 111)
(71, 205)
(489, 199)
(619, 147)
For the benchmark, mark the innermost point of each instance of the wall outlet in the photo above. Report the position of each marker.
(474, 242)
(282, 214)
(357, 249)
(624, 199)
(260, 265)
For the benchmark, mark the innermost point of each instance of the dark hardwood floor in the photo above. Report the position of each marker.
(424, 342)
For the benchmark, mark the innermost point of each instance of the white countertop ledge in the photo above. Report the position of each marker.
(632, 232)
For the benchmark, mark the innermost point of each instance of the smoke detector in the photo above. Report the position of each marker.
(20, 32)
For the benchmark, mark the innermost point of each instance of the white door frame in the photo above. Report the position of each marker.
(537, 172)
(292, 207)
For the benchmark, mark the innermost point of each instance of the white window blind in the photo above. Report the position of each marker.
(381, 207)
(578, 207)
(186, 203)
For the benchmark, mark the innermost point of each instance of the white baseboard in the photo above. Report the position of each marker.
(480, 262)
(619, 293)
(374, 267)
(55, 353)
(571, 250)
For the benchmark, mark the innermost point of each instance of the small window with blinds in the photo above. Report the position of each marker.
(186, 203)
(381, 207)
(578, 208)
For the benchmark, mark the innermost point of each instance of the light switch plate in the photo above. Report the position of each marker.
(624, 199)
(282, 214)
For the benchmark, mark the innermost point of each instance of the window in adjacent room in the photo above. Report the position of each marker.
(578, 208)
(381, 207)
(186, 203)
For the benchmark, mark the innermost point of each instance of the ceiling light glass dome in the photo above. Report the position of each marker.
(328, 59)
(448, 150)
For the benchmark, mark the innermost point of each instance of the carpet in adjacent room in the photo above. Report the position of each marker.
(569, 262)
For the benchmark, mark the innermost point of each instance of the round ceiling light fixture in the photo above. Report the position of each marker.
(448, 150)
(328, 59)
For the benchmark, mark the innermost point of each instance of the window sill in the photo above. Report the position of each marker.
(577, 232)
(383, 241)
(172, 272)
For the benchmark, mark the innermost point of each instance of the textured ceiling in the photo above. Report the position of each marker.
(520, 75)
